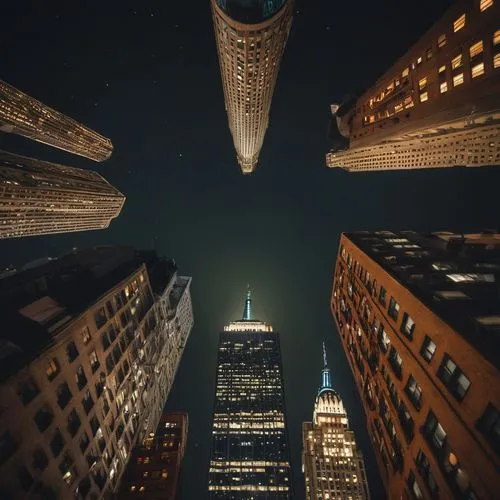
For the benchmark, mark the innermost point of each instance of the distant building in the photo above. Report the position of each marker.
(89, 347)
(419, 319)
(250, 452)
(38, 197)
(437, 106)
(251, 39)
(333, 466)
(24, 115)
(153, 471)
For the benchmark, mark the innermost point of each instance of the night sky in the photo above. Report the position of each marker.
(146, 75)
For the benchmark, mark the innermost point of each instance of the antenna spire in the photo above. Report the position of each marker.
(247, 311)
(325, 361)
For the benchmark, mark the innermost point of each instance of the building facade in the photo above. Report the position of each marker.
(39, 197)
(251, 39)
(80, 368)
(250, 456)
(24, 115)
(333, 465)
(437, 106)
(418, 316)
(154, 468)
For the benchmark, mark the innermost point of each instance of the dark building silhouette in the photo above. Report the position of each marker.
(419, 319)
(250, 455)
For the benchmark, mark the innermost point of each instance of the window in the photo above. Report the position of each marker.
(40, 460)
(424, 468)
(63, 395)
(476, 49)
(72, 352)
(53, 369)
(396, 362)
(441, 41)
(453, 378)
(94, 425)
(428, 53)
(489, 323)
(485, 4)
(384, 340)
(414, 392)
(458, 79)
(94, 361)
(81, 379)
(86, 338)
(434, 432)
(456, 62)
(87, 402)
(84, 442)
(428, 349)
(100, 317)
(471, 277)
(459, 23)
(443, 87)
(28, 390)
(424, 96)
(73, 422)
(43, 418)
(477, 70)
(489, 425)
(496, 57)
(421, 85)
(442, 266)
(451, 294)
(57, 444)
(393, 309)
(408, 326)
(405, 72)
(415, 490)
(382, 295)
(25, 478)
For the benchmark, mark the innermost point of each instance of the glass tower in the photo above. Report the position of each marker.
(250, 453)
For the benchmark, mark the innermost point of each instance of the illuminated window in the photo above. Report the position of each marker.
(477, 70)
(496, 41)
(86, 335)
(133, 488)
(422, 83)
(428, 349)
(53, 369)
(456, 62)
(459, 23)
(442, 69)
(441, 41)
(424, 96)
(453, 378)
(419, 60)
(476, 49)
(398, 107)
(458, 79)
(405, 72)
(443, 87)
(484, 4)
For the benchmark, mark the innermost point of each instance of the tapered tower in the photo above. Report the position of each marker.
(251, 36)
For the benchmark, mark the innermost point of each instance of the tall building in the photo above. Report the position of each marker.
(437, 106)
(251, 38)
(39, 197)
(86, 367)
(250, 453)
(24, 115)
(154, 468)
(333, 466)
(418, 316)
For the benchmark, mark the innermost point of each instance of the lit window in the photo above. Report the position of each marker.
(419, 60)
(405, 72)
(484, 4)
(452, 294)
(453, 378)
(459, 23)
(428, 349)
(408, 326)
(53, 369)
(476, 49)
(398, 107)
(424, 96)
(414, 392)
(477, 70)
(496, 37)
(442, 69)
(471, 277)
(422, 83)
(86, 335)
(441, 41)
(133, 488)
(443, 87)
(458, 79)
(393, 309)
(428, 53)
(456, 62)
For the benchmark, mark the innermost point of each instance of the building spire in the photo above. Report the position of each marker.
(325, 362)
(326, 376)
(247, 311)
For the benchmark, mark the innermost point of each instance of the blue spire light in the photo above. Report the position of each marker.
(326, 377)
(247, 311)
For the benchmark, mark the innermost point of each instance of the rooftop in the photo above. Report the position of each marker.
(250, 11)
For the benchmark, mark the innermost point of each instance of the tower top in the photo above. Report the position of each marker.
(247, 311)
(326, 376)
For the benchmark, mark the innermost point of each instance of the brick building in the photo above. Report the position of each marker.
(418, 316)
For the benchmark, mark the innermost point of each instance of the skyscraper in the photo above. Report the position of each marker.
(250, 454)
(39, 197)
(251, 36)
(437, 106)
(419, 316)
(333, 465)
(24, 115)
(88, 358)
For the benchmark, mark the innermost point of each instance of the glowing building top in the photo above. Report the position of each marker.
(250, 11)
(247, 323)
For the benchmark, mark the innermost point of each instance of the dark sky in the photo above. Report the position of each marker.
(146, 75)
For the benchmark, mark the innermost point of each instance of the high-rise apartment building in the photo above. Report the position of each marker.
(24, 115)
(154, 468)
(88, 357)
(251, 38)
(40, 197)
(437, 106)
(250, 453)
(333, 465)
(419, 316)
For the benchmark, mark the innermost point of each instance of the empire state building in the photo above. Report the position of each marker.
(251, 36)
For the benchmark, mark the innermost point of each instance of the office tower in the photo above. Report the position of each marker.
(84, 348)
(250, 38)
(332, 464)
(39, 197)
(437, 106)
(154, 468)
(250, 454)
(24, 115)
(418, 316)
